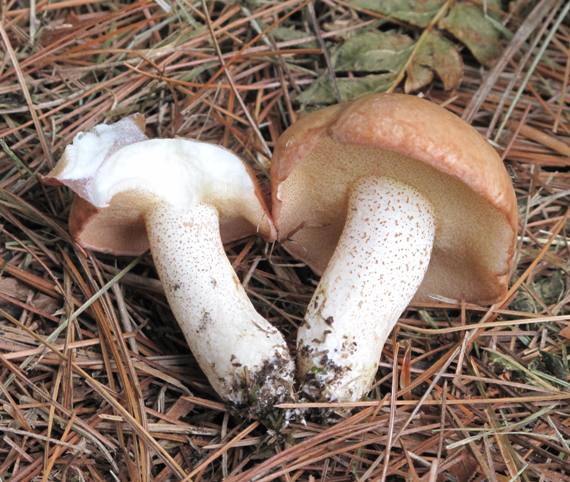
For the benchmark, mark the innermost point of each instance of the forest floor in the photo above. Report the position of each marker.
(96, 381)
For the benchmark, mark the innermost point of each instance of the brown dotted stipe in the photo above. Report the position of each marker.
(379, 263)
(244, 357)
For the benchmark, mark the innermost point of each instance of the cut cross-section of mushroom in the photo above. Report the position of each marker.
(182, 198)
(391, 198)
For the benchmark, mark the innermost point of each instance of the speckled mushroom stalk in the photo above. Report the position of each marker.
(379, 262)
(244, 357)
(175, 196)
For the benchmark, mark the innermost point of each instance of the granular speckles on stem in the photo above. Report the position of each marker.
(378, 264)
(229, 339)
(205, 320)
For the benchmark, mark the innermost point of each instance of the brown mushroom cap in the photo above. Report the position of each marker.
(119, 227)
(416, 142)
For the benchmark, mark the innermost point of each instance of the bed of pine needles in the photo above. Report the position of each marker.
(96, 382)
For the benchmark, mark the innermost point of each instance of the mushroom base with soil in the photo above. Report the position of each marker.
(378, 264)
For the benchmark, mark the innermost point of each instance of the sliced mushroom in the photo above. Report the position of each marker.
(391, 198)
(176, 196)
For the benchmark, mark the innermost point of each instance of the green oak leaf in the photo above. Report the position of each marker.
(469, 24)
(321, 91)
(436, 54)
(373, 51)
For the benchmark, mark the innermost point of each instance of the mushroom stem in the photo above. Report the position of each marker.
(245, 358)
(379, 263)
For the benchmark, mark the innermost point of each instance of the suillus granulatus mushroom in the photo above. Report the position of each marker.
(391, 198)
(181, 198)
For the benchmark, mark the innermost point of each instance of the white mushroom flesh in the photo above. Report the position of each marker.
(181, 172)
(90, 149)
(244, 357)
(379, 263)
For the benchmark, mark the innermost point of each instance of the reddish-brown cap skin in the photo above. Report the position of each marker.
(415, 141)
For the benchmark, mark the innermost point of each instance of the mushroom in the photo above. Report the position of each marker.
(392, 199)
(181, 198)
